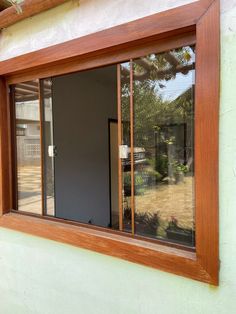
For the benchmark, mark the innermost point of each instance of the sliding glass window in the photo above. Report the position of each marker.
(112, 147)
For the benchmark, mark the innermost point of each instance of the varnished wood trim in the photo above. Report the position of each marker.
(29, 8)
(206, 4)
(177, 261)
(5, 166)
(207, 139)
(132, 203)
(107, 230)
(152, 27)
(119, 115)
(22, 225)
(205, 265)
(13, 149)
(101, 59)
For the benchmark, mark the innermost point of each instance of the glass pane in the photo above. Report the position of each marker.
(28, 147)
(125, 148)
(49, 148)
(164, 145)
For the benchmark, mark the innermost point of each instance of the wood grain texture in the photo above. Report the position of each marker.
(206, 3)
(119, 116)
(134, 40)
(179, 262)
(5, 166)
(13, 149)
(29, 8)
(81, 63)
(140, 30)
(4, 4)
(206, 140)
(131, 103)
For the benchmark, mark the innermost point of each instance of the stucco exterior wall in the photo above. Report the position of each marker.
(45, 277)
(74, 19)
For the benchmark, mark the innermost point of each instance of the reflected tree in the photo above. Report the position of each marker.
(153, 112)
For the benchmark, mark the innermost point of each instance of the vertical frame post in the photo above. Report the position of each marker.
(119, 115)
(5, 161)
(41, 121)
(132, 146)
(13, 148)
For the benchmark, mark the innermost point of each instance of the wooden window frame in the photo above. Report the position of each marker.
(111, 46)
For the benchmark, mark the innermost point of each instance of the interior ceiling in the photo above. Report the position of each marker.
(4, 4)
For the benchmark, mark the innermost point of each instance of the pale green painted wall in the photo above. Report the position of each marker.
(45, 277)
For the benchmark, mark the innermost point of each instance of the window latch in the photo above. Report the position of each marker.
(52, 151)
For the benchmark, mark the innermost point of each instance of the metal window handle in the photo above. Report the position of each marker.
(52, 151)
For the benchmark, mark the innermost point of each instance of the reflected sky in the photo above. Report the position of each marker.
(174, 88)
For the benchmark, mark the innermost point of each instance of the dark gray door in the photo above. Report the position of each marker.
(82, 105)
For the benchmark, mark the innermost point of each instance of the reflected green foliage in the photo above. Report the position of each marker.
(163, 98)
(153, 113)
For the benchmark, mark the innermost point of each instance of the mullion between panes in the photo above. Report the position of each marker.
(132, 204)
(120, 177)
(41, 119)
(14, 149)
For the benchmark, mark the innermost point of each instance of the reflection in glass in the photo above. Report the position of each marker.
(163, 151)
(163, 134)
(49, 148)
(163, 145)
(125, 145)
(28, 147)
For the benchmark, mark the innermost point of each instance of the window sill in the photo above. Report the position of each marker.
(93, 51)
(162, 257)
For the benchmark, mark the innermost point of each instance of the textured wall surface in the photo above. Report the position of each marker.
(75, 19)
(45, 277)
